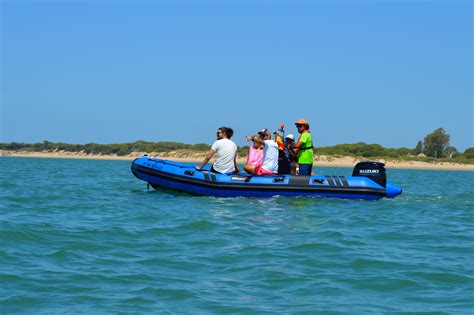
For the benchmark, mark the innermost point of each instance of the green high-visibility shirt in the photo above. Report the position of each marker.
(305, 156)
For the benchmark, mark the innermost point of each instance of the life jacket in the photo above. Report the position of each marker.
(303, 148)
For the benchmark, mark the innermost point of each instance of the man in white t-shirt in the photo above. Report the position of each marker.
(270, 154)
(225, 151)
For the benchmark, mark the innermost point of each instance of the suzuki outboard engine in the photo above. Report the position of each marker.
(373, 170)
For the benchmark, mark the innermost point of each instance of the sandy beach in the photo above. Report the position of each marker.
(195, 157)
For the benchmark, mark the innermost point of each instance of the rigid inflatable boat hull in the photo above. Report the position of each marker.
(183, 177)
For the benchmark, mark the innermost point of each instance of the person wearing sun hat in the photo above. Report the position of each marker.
(289, 142)
(304, 148)
(269, 165)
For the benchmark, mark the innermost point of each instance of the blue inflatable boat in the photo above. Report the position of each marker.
(368, 181)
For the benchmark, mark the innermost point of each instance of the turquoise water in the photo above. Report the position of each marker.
(84, 236)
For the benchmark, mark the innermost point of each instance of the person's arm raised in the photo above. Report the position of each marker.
(256, 139)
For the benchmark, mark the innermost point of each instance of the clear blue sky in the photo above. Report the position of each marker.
(386, 72)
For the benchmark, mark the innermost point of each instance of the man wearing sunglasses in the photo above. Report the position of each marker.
(304, 148)
(225, 151)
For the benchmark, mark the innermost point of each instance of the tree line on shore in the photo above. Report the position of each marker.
(434, 147)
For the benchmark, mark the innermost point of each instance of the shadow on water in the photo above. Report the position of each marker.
(163, 191)
(297, 201)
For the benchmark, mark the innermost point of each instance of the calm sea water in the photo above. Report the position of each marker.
(84, 236)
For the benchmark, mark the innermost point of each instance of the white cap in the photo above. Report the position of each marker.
(290, 136)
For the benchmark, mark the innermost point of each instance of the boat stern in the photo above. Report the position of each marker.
(392, 190)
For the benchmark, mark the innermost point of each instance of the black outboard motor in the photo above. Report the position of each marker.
(373, 170)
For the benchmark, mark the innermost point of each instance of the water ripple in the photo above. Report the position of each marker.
(81, 236)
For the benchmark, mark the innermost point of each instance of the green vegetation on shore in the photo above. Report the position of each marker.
(119, 149)
(434, 147)
(376, 151)
(357, 150)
